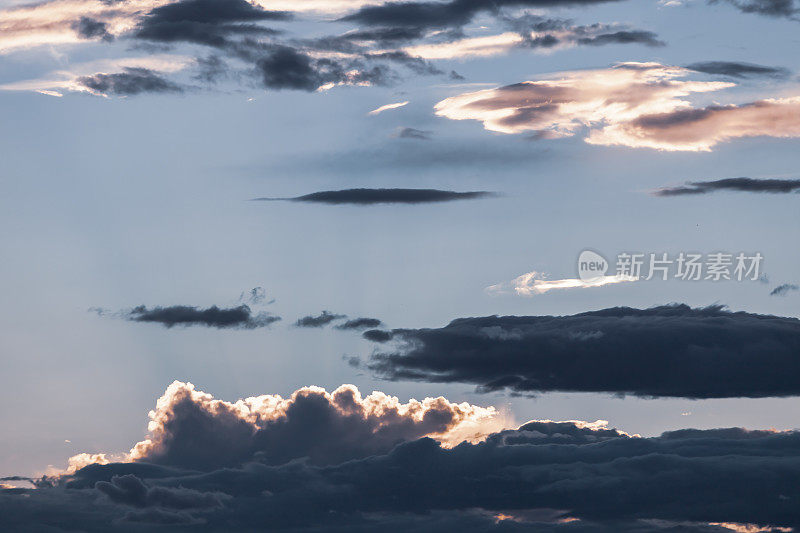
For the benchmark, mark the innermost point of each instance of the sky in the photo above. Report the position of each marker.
(183, 181)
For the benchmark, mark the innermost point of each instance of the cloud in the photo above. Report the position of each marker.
(129, 82)
(360, 323)
(535, 283)
(631, 104)
(669, 351)
(771, 8)
(732, 184)
(453, 13)
(123, 77)
(383, 196)
(208, 22)
(319, 321)
(240, 317)
(784, 289)
(191, 429)
(737, 69)
(387, 107)
(548, 476)
(412, 133)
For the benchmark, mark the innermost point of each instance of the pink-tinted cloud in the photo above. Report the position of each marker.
(630, 104)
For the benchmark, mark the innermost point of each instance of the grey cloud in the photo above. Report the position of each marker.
(383, 196)
(129, 82)
(413, 133)
(318, 321)
(646, 38)
(453, 13)
(240, 317)
(667, 351)
(90, 28)
(737, 69)
(544, 476)
(360, 323)
(732, 184)
(771, 8)
(784, 289)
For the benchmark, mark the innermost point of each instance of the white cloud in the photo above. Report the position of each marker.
(387, 107)
(533, 283)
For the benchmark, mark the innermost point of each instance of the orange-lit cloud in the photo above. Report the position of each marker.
(630, 104)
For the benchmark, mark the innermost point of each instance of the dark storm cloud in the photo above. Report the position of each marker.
(732, 184)
(318, 321)
(240, 317)
(129, 82)
(360, 323)
(783, 290)
(384, 196)
(772, 8)
(671, 351)
(736, 69)
(208, 22)
(446, 14)
(376, 335)
(413, 133)
(544, 476)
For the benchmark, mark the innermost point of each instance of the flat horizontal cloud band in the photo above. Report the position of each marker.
(667, 351)
(639, 105)
(384, 196)
(367, 469)
(732, 184)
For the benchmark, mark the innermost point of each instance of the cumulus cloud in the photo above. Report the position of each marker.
(239, 317)
(192, 429)
(784, 289)
(384, 196)
(669, 351)
(732, 184)
(533, 283)
(630, 104)
(318, 321)
(737, 69)
(570, 476)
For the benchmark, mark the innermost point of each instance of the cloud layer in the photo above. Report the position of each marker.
(640, 105)
(732, 184)
(371, 465)
(384, 196)
(667, 351)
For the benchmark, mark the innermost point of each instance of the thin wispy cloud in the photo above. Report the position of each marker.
(784, 289)
(533, 283)
(387, 107)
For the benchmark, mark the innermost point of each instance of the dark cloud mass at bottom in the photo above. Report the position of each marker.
(339, 462)
(384, 196)
(666, 351)
(240, 317)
